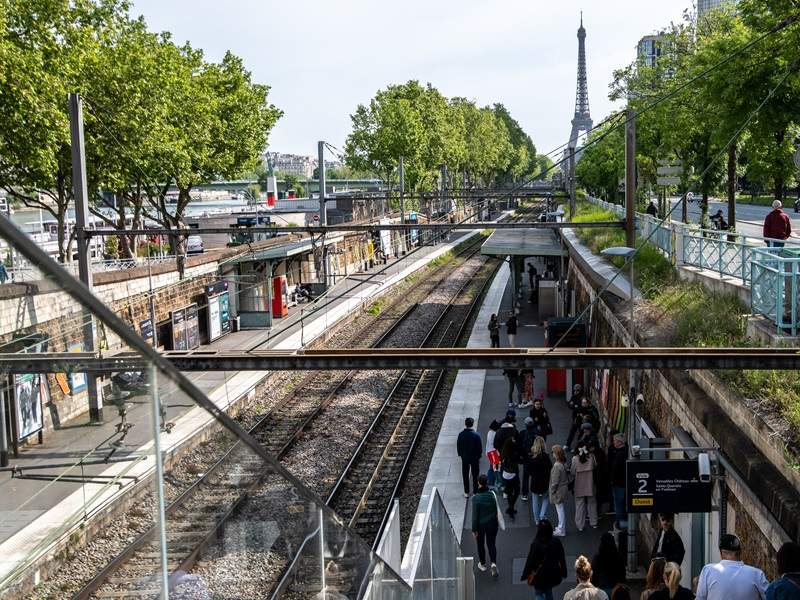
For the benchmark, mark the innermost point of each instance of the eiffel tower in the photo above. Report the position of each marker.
(582, 121)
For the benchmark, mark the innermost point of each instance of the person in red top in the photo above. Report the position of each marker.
(777, 225)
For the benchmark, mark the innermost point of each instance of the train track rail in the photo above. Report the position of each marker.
(196, 516)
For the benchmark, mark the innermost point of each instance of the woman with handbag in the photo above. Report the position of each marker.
(546, 566)
(486, 521)
(559, 482)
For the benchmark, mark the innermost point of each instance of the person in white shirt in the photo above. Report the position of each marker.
(730, 578)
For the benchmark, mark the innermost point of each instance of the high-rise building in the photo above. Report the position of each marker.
(649, 49)
(703, 6)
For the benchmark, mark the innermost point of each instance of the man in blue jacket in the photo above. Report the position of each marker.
(470, 449)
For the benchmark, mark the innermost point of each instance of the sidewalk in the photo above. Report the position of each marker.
(513, 543)
(36, 506)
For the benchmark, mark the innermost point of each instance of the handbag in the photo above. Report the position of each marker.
(494, 457)
(501, 522)
(532, 575)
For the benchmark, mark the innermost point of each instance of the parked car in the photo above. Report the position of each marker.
(194, 245)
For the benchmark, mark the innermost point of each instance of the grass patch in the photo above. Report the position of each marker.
(376, 307)
(701, 318)
(757, 200)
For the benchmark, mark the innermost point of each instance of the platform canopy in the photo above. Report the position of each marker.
(523, 242)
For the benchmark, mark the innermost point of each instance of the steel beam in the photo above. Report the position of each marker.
(362, 228)
(415, 358)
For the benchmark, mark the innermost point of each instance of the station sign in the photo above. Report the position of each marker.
(669, 486)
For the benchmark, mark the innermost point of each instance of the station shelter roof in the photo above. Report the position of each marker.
(523, 242)
(281, 251)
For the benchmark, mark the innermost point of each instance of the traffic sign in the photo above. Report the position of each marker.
(672, 170)
(668, 180)
(669, 486)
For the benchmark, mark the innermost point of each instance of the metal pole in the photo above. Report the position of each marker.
(630, 178)
(3, 438)
(152, 305)
(572, 199)
(81, 193)
(402, 174)
(323, 216)
(160, 516)
(269, 296)
(632, 441)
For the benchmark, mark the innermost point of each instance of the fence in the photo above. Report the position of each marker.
(26, 272)
(770, 273)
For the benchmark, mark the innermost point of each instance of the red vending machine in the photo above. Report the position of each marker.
(280, 297)
(567, 333)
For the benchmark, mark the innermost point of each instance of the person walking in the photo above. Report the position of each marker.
(511, 329)
(541, 466)
(617, 461)
(585, 590)
(492, 454)
(559, 485)
(546, 566)
(608, 566)
(540, 418)
(585, 490)
(532, 272)
(507, 429)
(777, 226)
(485, 524)
(527, 439)
(510, 467)
(514, 382)
(494, 331)
(730, 578)
(528, 379)
(673, 589)
(469, 449)
(787, 585)
(669, 544)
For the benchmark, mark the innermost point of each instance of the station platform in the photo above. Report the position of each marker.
(38, 507)
(483, 395)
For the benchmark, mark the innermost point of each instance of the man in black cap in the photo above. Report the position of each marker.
(669, 544)
(507, 429)
(730, 578)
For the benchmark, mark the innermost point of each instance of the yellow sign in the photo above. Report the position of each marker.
(642, 501)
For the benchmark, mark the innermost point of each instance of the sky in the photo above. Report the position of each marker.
(322, 59)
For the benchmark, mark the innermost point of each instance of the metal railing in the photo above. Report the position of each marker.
(769, 272)
(26, 273)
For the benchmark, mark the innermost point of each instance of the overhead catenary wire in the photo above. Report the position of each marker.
(792, 68)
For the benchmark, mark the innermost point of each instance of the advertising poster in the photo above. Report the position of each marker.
(192, 327)
(179, 329)
(77, 381)
(146, 329)
(28, 390)
(224, 312)
(214, 329)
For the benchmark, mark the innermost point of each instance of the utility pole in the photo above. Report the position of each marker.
(572, 205)
(81, 193)
(323, 217)
(732, 185)
(402, 175)
(630, 178)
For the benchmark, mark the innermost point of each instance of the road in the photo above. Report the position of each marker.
(749, 217)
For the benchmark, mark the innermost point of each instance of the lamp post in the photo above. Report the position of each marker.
(628, 253)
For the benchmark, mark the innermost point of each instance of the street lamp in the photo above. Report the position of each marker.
(628, 253)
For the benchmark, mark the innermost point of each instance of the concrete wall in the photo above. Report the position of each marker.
(762, 493)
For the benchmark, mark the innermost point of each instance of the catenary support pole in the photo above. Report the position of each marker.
(572, 199)
(402, 175)
(323, 215)
(81, 194)
(632, 441)
(630, 179)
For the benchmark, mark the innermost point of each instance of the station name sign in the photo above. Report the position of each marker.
(669, 486)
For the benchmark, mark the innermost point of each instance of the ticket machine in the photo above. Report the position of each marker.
(280, 297)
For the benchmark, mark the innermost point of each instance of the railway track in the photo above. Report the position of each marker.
(197, 515)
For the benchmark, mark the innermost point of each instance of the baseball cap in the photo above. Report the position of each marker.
(730, 543)
(587, 425)
(511, 413)
(528, 421)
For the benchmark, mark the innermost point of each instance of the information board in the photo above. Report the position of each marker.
(179, 329)
(219, 319)
(146, 329)
(192, 327)
(669, 486)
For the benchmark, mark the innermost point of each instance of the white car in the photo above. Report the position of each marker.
(194, 245)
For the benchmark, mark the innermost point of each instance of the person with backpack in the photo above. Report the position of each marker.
(492, 454)
(540, 484)
(585, 490)
(546, 566)
(494, 331)
(510, 473)
(485, 524)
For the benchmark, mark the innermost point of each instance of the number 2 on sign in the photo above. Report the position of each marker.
(642, 486)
